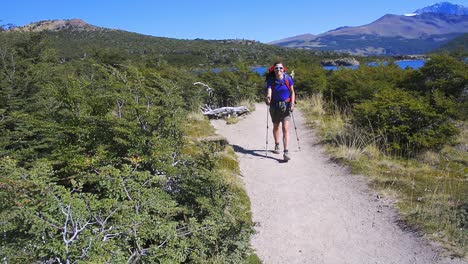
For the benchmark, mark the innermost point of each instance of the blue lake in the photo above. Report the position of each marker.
(414, 64)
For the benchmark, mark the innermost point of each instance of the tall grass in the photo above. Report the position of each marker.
(431, 190)
(198, 126)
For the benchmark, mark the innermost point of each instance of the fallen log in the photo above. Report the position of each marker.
(224, 111)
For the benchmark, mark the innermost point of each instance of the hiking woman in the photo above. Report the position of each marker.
(280, 98)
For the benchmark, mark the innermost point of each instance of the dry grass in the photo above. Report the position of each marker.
(431, 190)
(249, 103)
(198, 126)
(232, 120)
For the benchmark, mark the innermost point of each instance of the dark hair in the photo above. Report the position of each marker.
(278, 62)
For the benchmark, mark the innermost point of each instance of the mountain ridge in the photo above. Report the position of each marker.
(390, 34)
(445, 8)
(74, 24)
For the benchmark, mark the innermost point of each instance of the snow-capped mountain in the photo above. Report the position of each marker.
(444, 8)
(425, 30)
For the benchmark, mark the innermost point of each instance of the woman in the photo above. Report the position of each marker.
(280, 98)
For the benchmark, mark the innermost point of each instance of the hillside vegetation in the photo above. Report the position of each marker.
(102, 157)
(458, 46)
(119, 45)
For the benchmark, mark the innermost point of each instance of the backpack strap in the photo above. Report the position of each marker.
(286, 81)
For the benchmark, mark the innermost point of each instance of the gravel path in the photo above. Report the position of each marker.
(310, 210)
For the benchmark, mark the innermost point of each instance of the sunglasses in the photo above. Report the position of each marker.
(278, 68)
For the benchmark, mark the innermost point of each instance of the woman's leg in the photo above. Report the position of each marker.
(285, 134)
(276, 132)
(286, 155)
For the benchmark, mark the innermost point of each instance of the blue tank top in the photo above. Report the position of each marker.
(280, 92)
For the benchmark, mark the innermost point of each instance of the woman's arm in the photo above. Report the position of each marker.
(268, 96)
(293, 96)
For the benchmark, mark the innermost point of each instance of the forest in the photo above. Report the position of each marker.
(100, 157)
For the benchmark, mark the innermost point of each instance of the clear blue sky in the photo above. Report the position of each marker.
(213, 19)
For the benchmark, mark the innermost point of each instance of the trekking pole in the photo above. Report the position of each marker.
(295, 128)
(266, 147)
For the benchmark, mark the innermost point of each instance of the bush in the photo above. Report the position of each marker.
(231, 87)
(309, 80)
(407, 123)
(446, 74)
(347, 87)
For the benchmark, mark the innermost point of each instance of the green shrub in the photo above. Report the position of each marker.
(442, 76)
(406, 123)
(232, 87)
(445, 74)
(347, 87)
(309, 80)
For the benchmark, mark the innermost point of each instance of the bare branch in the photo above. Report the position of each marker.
(120, 104)
(126, 191)
(85, 251)
(110, 236)
(209, 90)
(186, 233)
(76, 227)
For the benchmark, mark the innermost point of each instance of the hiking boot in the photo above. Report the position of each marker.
(276, 150)
(286, 156)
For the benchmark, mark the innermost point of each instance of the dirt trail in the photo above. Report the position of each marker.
(310, 210)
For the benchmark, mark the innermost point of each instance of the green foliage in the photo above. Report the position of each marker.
(199, 54)
(407, 111)
(446, 74)
(309, 79)
(347, 87)
(442, 75)
(129, 213)
(407, 123)
(232, 87)
(93, 169)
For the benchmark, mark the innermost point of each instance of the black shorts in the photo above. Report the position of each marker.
(277, 115)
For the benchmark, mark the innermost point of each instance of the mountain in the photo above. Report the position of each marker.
(417, 33)
(302, 37)
(57, 25)
(444, 8)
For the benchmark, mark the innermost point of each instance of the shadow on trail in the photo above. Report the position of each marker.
(256, 153)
